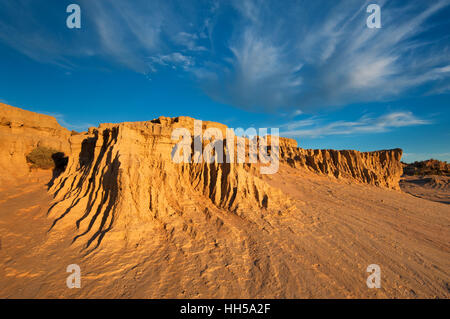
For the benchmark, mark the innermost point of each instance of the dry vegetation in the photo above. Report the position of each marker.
(46, 158)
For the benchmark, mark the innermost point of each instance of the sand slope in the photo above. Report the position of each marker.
(431, 187)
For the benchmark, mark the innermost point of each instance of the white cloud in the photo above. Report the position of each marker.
(119, 31)
(173, 60)
(189, 41)
(443, 70)
(304, 56)
(265, 56)
(314, 127)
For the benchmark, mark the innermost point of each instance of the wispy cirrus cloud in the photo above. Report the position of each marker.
(172, 60)
(315, 127)
(120, 32)
(312, 55)
(189, 41)
(259, 55)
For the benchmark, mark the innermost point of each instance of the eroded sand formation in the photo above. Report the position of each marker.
(122, 176)
(429, 167)
(20, 132)
(379, 168)
(140, 225)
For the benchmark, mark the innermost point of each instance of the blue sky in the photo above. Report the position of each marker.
(311, 68)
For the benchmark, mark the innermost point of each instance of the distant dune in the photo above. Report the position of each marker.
(142, 226)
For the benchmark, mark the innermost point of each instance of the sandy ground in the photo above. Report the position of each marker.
(319, 249)
(435, 188)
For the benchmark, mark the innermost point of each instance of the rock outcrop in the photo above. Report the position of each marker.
(20, 132)
(123, 175)
(379, 168)
(428, 167)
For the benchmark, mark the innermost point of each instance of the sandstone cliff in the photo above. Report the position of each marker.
(123, 175)
(119, 177)
(379, 168)
(20, 132)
